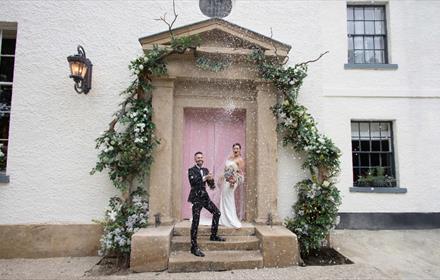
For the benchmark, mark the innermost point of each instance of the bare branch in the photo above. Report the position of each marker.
(273, 45)
(314, 60)
(170, 25)
(175, 15)
(286, 58)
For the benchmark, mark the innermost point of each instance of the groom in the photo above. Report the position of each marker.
(198, 177)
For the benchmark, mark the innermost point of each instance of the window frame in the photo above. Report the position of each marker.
(391, 152)
(10, 27)
(386, 57)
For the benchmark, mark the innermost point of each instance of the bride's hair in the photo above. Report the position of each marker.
(236, 144)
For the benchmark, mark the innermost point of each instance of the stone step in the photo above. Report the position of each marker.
(183, 229)
(183, 243)
(181, 261)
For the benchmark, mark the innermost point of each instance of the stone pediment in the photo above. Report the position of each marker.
(220, 36)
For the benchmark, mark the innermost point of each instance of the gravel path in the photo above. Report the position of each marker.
(74, 268)
(396, 254)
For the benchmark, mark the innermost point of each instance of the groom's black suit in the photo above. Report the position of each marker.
(200, 199)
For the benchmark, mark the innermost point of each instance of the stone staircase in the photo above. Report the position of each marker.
(241, 250)
(252, 246)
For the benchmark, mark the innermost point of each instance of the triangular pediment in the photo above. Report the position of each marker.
(220, 35)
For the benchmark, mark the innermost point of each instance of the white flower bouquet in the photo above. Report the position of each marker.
(232, 176)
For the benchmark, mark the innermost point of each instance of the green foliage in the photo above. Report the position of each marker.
(376, 178)
(316, 212)
(318, 200)
(122, 219)
(126, 148)
(180, 44)
(127, 153)
(211, 64)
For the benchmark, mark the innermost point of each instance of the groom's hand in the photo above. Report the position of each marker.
(209, 176)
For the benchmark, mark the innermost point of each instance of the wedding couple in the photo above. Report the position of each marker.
(198, 177)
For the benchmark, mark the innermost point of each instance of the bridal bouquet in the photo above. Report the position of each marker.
(231, 173)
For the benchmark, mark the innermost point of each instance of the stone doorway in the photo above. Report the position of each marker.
(189, 86)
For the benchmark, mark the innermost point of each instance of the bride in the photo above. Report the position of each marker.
(232, 179)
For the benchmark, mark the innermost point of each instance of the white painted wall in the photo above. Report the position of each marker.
(53, 129)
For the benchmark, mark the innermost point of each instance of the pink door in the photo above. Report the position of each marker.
(212, 132)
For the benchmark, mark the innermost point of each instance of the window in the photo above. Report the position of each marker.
(7, 58)
(367, 36)
(373, 154)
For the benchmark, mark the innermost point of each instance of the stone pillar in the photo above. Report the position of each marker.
(267, 157)
(160, 187)
(150, 249)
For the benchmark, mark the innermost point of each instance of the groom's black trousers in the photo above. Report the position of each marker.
(196, 208)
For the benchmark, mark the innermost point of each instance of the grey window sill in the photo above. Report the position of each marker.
(371, 66)
(378, 190)
(4, 178)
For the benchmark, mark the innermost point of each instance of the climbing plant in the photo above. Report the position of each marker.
(126, 148)
(318, 198)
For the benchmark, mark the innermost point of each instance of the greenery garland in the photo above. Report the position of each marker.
(210, 64)
(126, 150)
(318, 198)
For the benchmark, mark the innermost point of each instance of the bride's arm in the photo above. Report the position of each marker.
(241, 166)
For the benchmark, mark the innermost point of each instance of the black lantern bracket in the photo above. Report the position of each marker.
(81, 71)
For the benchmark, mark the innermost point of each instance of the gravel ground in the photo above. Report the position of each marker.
(388, 254)
(74, 268)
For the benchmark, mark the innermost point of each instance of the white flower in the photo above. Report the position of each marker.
(141, 67)
(136, 72)
(300, 212)
(138, 140)
(112, 215)
(110, 148)
(326, 183)
(321, 140)
(338, 220)
(282, 115)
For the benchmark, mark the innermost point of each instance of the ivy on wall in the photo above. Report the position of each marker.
(126, 148)
(318, 198)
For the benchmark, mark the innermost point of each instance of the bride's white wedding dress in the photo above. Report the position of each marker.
(228, 211)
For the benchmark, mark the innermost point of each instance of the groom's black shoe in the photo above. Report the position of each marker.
(216, 238)
(196, 252)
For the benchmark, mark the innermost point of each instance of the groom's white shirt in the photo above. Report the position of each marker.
(201, 172)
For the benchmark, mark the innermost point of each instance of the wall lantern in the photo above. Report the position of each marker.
(81, 71)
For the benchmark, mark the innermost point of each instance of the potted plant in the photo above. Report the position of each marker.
(376, 178)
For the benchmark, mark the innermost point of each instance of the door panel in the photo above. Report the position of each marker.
(213, 132)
